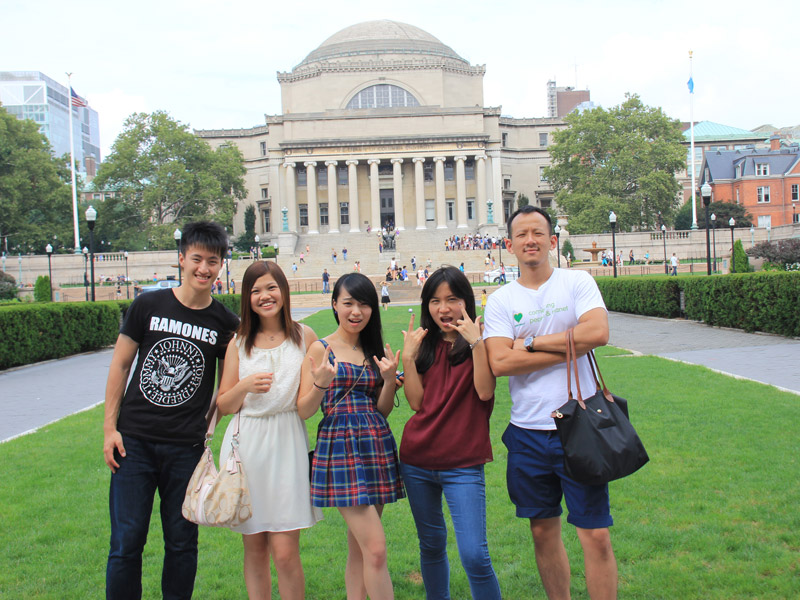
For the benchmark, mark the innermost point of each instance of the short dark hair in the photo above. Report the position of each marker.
(208, 235)
(526, 210)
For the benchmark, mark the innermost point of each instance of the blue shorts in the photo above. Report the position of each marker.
(536, 481)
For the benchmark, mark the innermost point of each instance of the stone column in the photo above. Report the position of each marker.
(441, 215)
(352, 195)
(374, 193)
(291, 195)
(480, 186)
(497, 187)
(313, 208)
(419, 188)
(333, 196)
(397, 184)
(461, 193)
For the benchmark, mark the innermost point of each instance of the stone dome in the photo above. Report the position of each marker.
(383, 37)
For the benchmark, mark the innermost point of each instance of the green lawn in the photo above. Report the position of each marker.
(712, 516)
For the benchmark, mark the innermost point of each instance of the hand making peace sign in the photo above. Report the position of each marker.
(412, 340)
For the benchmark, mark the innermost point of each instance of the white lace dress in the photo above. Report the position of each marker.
(273, 443)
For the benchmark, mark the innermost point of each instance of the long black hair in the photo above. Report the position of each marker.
(460, 287)
(362, 290)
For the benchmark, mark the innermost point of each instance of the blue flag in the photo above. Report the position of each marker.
(690, 83)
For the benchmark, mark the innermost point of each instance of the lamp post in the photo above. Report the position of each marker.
(85, 275)
(769, 231)
(705, 191)
(177, 235)
(557, 231)
(732, 224)
(91, 217)
(127, 281)
(714, 238)
(752, 235)
(664, 239)
(49, 250)
(258, 246)
(612, 218)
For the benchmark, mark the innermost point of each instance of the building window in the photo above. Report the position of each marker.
(698, 155)
(427, 170)
(95, 196)
(738, 171)
(762, 168)
(504, 139)
(430, 211)
(469, 170)
(542, 176)
(507, 183)
(543, 140)
(765, 221)
(265, 222)
(323, 213)
(451, 210)
(449, 170)
(342, 175)
(382, 95)
(763, 194)
(344, 213)
(717, 148)
(795, 192)
(737, 195)
(263, 148)
(470, 209)
(322, 175)
(264, 193)
(304, 215)
(385, 169)
(795, 218)
(302, 177)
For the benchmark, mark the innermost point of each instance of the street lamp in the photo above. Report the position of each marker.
(705, 191)
(612, 218)
(714, 236)
(258, 247)
(732, 224)
(752, 235)
(91, 217)
(177, 235)
(769, 230)
(49, 250)
(85, 267)
(127, 281)
(557, 231)
(664, 238)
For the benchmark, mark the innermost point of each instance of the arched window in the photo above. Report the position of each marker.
(382, 95)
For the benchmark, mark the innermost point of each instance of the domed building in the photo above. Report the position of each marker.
(383, 125)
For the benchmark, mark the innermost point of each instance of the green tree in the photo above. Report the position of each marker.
(35, 199)
(246, 239)
(8, 286)
(523, 200)
(163, 175)
(623, 159)
(784, 253)
(740, 260)
(566, 249)
(41, 289)
(723, 211)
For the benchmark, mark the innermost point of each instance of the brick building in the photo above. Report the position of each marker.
(765, 181)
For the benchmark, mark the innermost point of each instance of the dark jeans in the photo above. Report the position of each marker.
(147, 467)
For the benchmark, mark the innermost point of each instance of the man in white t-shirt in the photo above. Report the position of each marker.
(524, 330)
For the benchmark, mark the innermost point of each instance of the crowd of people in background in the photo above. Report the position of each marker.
(473, 242)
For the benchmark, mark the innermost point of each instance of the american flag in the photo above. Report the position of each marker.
(77, 100)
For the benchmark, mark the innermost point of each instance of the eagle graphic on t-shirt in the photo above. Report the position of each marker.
(170, 377)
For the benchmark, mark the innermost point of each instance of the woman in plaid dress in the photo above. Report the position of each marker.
(352, 377)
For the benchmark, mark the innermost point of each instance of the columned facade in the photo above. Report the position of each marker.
(441, 218)
(419, 191)
(333, 196)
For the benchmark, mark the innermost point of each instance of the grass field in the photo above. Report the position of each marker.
(713, 515)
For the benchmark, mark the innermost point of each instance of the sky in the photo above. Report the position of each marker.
(213, 64)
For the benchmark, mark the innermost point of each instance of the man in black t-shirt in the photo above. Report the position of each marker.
(154, 429)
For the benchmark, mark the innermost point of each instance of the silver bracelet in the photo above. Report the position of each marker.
(475, 343)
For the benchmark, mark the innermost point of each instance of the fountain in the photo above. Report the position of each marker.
(594, 251)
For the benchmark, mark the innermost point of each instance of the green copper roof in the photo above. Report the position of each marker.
(707, 131)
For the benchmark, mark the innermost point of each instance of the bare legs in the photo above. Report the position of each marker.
(551, 559)
(284, 547)
(367, 571)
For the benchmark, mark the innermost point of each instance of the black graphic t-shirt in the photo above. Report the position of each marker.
(171, 388)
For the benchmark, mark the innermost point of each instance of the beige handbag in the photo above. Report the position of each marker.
(218, 498)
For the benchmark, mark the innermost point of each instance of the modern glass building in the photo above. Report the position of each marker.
(34, 95)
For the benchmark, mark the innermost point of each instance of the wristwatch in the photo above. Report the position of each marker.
(528, 341)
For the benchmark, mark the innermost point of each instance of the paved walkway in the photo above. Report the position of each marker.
(36, 395)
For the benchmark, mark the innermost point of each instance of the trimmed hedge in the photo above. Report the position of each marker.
(33, 333)
(765, 302)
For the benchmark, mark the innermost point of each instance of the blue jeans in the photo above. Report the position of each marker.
(147, 467)
(465, 492)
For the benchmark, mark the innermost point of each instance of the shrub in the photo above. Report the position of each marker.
(42, 289)
(652, 296)
(567, 249)
(8, 286)
(782, 252)
(740, 260)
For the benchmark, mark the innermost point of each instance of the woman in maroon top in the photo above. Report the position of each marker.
(445, 444)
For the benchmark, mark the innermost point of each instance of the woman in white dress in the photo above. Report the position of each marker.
(261, 380)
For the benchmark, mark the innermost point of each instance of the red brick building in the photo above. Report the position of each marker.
(765, 181)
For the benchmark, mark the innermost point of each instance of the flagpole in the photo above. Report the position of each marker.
(72, 169)
(691, 127)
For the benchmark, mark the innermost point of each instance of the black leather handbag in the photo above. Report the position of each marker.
(600, 444)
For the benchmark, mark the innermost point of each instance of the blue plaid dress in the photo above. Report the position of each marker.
(355, 461)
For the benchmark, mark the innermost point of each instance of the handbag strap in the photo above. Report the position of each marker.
(351, 388)
(213, 425)
(572, 359)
